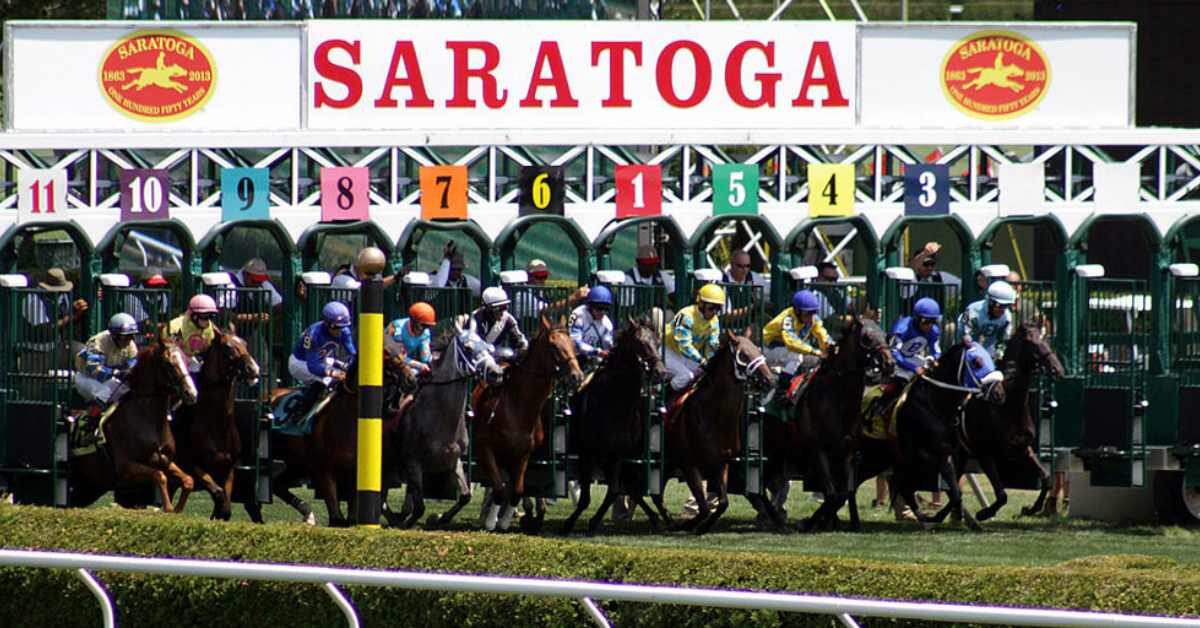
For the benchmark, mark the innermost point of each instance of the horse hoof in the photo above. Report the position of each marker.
(984, 515)
(310, 520)
(434, 521)
(972, 524)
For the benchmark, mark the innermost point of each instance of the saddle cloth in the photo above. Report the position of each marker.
(880, 423)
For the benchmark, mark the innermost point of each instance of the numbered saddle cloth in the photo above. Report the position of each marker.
(880, 423)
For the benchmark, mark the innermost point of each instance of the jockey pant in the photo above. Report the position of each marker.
(683, 370)
(299, 369)
(789, 362)
(103, 392)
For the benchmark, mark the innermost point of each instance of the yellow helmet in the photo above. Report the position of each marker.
(712, 293)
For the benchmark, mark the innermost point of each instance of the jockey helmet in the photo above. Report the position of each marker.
(122, 324)
(495, 297)
(600, 295)
(1002, 293)
(202, 304)
(713, 294)
(927, 308)
(336, 314)
(805, 301)
(422, 313)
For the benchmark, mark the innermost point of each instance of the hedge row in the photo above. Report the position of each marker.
(56, 598)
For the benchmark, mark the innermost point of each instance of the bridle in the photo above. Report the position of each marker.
(747, 368)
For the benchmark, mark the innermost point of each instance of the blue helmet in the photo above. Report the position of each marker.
(927, 308)
(600, 295)
(336, 314)
(122, 324)
(805, 301)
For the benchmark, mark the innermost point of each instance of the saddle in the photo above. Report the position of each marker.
(879, 422)
(675, 403)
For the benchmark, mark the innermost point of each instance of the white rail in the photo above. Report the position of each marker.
(842, 608)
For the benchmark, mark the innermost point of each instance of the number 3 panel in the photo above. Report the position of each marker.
(443, 192)
(244, 194)
(345, 194)
(830, 190)
(145, 195)
(926, 190)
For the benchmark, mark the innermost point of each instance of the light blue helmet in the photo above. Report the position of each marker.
(805, 301)
(600, 295)
(336, 314)
(927, 308)
(122, 324)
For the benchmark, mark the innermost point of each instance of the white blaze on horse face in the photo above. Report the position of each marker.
(180, 362)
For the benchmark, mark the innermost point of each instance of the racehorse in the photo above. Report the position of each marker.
(995, 434)
(207, 432)
(508, 426)
(137, 434)
(430, 435)
(327, 455)
(927, 430)
(705, 433)
(608, 418)
(823, 434)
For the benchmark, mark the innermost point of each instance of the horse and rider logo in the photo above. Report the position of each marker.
(157, 75)
(995, 75)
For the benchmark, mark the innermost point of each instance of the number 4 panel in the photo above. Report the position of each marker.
(830, 190)
(345, 194)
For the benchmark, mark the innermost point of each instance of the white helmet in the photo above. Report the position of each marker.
(495, 297)
(1001, 292)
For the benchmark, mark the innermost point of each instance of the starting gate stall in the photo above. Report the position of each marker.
(162, 246)
(717, 238)
(951, 288)
(616, 249)
(332, 247)
(36, 383)
(250, 310)
(1177, 493)
(421, 250)
(150, 307)
(318, 289)
(850, 244)
(841, 298)
(227, 248)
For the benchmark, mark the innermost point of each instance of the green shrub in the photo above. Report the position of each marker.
(57, 598)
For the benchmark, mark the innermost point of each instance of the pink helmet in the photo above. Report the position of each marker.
(202, 304)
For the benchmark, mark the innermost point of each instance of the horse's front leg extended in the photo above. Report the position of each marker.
(950, 478)
(416, 491)
(464, 498)
(227, 503)
(851, 493)
(826, 513)
(487, 459)
(327, 484)
(517, 492)
(988, 464)
(1031, 458)
(612, 477)
(695, 482)
(722, 500)
(585, 494)
(186, 484)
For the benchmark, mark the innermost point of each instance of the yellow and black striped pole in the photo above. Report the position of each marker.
(370, 388)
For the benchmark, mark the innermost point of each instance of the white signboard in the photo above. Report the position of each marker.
(145, 76)
(980, 76)
(556, 75)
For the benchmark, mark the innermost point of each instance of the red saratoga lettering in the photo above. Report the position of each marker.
(664, 77)
(326, 68)
(549, 55)
(493, 96)
(616, 68)
(767, 81)
(405, 53)
(821, 53)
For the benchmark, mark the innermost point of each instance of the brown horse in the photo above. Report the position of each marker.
(705, 433)
(509, 424)
(207, 432)
(137, 434)
(328, 455)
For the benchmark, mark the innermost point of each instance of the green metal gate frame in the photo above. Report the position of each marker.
(635, 301)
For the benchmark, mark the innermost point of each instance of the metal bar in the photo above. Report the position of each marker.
(979, 496)
(343, 603)
(847, 620)
(594, 611)
(107, 612)
(575, 589)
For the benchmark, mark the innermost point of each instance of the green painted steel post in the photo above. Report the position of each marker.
(369, 479)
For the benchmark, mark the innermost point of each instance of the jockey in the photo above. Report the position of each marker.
(796, 339)
(106, 358)
(496, 326)
(986, 321)
(915, 338)
(314, 359)
(194, 329)
(694, 336)
(590, 327)
(413, 333)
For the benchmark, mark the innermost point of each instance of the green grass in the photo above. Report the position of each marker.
(1007, 540)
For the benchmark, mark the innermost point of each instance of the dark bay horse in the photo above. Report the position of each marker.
(608, 420)
(430, 437)
(927, 427)
(328, 454)
(207, 432)
(822, 437)
(137, 434)
(509, 429)
(1004, 434)
(705, 433)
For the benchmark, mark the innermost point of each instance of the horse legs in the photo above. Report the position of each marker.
(851, 494)
(464, 498)
(416, 492)
(214, 490)
(327, 484)
(904, 487)
(695, 483)
(612, 477)
(130, 471)
(487, 459)
(657, 498)
(988, 464)
(1044, 478)
(722, 501)
(585, 494)
(516, 474)
(651, 517)
(282, 491)
(826, 513)
(950, 477)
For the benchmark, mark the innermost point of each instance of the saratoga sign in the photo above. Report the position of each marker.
(531, 76)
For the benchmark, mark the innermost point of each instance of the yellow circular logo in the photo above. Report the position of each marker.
(995, 75)
(157, 75)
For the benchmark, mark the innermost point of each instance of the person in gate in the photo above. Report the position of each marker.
(194, 330)
(413, 333)
(451, 272)
(590, 327)
(493, 322)
(986, 321)
(693, 336)
(105, 360)
(646, 271)
(796, 339)
(314, 361)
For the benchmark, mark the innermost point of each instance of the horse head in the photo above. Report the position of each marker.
(639, 343)
(229, 355)
(863, 346)
(1028, 350)
(162, 369)
(748, 360)
(398, 377)
(561, 348)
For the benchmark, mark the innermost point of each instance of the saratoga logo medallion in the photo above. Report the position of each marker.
(157, 76)
(995, 75)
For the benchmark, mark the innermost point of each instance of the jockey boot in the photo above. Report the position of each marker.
(311, 395)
